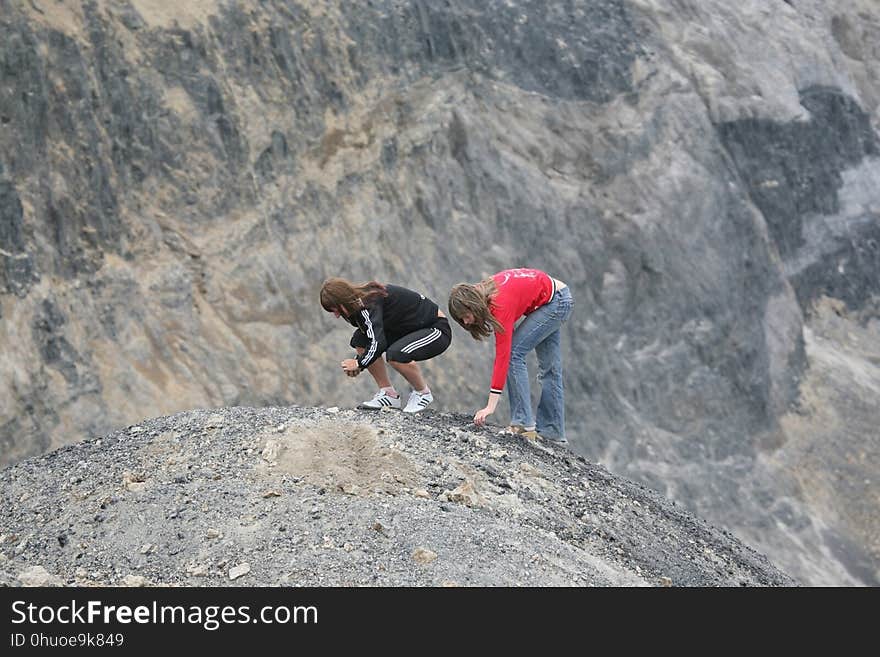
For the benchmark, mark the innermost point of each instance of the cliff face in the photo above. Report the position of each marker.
(176, 181)
(322, 497)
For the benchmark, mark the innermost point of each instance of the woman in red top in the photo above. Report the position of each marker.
(493, 306)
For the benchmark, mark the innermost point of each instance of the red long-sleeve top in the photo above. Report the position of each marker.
(520, 292)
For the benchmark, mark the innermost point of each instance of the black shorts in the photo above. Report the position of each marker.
(418, 345)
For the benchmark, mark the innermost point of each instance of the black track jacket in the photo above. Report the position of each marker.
(386, 319)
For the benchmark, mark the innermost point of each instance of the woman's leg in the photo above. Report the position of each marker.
(412, 374)
(419, 345)
(377, 370)
(423, 344)
(551, 407)
(533, 330)
(519, 393)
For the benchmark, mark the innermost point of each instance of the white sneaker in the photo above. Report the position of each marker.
(418, 402)
(381, 400)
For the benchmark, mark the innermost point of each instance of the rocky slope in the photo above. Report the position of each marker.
(176, 179)
(322, 497)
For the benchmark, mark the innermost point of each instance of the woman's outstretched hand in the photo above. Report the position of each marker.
(481, 415)
(350, 367)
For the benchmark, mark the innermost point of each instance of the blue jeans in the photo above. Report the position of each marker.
(540, 331)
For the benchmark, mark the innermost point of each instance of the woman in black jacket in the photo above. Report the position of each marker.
(404, 325)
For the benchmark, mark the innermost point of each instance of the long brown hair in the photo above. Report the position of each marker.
(340, 293)
(476, 300)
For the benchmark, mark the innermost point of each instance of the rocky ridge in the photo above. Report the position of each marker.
(177, 178)
(326, 497)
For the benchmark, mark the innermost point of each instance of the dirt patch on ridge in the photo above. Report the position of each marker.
(342, 457)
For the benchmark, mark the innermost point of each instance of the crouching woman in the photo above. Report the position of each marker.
(404, 325)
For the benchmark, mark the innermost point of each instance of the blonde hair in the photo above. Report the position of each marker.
(476, 300)
(340, 293)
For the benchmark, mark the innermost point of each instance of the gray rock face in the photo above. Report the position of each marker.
(304, 496)
(794, 173)
(176, 182)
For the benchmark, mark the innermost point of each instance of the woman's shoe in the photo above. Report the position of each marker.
(512, 429)
(519, 430)
(418, 402)
(379, 401)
